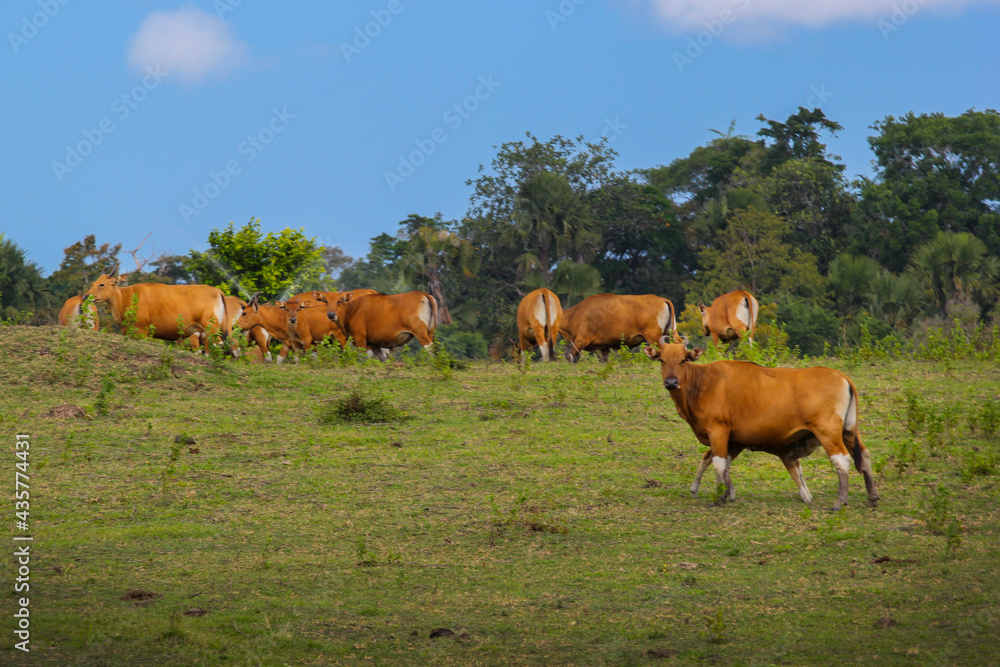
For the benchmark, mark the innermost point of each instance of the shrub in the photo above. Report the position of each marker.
(356, 409)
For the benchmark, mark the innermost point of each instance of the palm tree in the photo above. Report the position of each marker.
(434, 251)
(574, 281)
(22, 286)
(954, 266)
(550, 220)
(850, 278)
(895, 299)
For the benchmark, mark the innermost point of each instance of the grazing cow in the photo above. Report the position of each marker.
(381, 322)
(605, 321)
(70, 315)
(729, 316)
(538, 317)
(788, 412)
(168, 312)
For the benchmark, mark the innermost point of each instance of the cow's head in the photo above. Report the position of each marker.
(104, 287)
(292, 308)
(672, 356)
(704, 310)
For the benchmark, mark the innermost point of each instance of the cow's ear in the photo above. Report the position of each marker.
(319, 296)
(692, 355)
(122, 279)
(701, 306)
(651, 352)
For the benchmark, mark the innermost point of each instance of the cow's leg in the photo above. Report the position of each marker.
(706, 461)
(718, 438)
(833, 444)
(283, 353)
(794, 468)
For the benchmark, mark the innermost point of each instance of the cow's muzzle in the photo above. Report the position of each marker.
(331, 316)
(293, 320)
(671, 383)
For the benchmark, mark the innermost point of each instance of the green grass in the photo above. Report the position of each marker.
(542, 516)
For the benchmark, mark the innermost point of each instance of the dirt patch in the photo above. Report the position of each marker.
(195, 611)
(662, 652)
(441, 632)
(65, 412)
(885, 622)
(140, 597)
(653, 484)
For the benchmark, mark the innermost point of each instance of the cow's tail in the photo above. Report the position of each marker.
(672, 322)
(851, 427)
(434, 314)
(550, 336)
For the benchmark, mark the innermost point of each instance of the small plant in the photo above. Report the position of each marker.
(84, 369)
(163, 368)
(978, 465)
(940, 519)
(916, 412)
(168, 473)
(101, 403)
(715, 628)
(365, 557)
(355, 408)
(443, 363)
(129, 328)
(986, 420)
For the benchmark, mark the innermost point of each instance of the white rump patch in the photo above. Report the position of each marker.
(743, 312)
(426, 313)
(851, 414)
(663, 320)
(540, 313)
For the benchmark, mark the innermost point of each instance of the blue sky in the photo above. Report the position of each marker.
(130, 117)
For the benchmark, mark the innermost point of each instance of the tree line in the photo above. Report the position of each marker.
(915, 243)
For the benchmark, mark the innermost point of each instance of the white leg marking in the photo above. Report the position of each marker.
(544, 349)
(842, 462)
(702, 467)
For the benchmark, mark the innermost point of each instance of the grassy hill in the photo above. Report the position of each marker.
(189, 511)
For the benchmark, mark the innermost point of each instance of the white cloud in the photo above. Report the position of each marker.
(771, 14)
(189, 43)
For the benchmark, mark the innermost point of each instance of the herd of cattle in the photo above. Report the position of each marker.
(730, 405)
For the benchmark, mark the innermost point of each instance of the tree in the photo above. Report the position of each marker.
(850, 279)
(642, 248)
(245, 261)
(955, 267)
(575, 281)
(934, 173)
(434, 251)
(550, 222)
(82, 263)
(895, 299)
(23, 288)
(797, 138)
(750, 251)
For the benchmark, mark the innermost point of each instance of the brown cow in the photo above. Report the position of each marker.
(168, 312)
(729, 316)
(381, 322)
(272, 318)
(788, 412)
(538, 317)
(71, 314)
(256, 335)
(605, 321)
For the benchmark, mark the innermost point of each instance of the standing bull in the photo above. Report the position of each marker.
(788, 412)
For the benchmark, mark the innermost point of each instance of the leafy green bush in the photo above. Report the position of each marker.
(808, 326)
(356, 409)
(461, 344)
